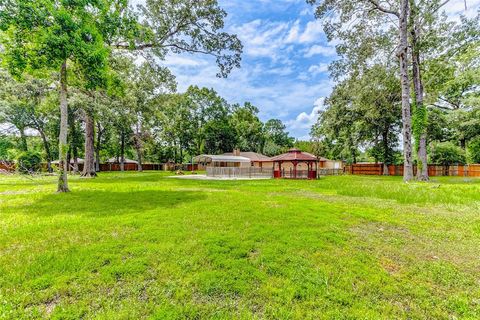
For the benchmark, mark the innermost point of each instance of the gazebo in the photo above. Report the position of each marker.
(291, 161)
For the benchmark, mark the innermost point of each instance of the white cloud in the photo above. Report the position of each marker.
(294, 33)
(326, 51)
(182, 61)
(313, 32)
(304, 121)
(262, 38)
(320, 68)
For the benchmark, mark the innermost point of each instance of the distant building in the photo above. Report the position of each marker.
(257, 160)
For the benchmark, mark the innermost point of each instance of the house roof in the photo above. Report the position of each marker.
(253, 156)
(219, 158)
(79, 160)
(117, 160)
(295, 155)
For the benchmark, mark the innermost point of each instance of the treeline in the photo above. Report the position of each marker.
(86, 47)
(142, 119)
(407, 85)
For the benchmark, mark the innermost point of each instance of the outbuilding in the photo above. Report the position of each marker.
(295, 164)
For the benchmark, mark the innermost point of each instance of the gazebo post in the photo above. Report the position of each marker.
(295, 169)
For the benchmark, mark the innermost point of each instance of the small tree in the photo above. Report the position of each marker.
(446, 153)
(28, 162)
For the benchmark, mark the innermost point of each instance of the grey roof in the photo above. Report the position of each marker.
(253, 156)
(207, 158)
(79, 160)
(117, 160)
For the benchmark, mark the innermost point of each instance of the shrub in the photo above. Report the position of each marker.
(446, 153)
(474, 150)
(29, 161)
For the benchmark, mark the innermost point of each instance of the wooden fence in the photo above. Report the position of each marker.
(6, 166)
(472, 170)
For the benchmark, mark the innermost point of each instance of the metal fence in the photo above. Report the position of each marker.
(231, 172)
(330, 172)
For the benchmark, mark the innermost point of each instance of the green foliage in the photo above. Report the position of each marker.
(362, 110)
(6, 144)
(41, 35)
(474, 150)
(439, 128)
(28, 162)
(419, 122)
(446, 153)
(191, 26)
(247, 127)
(277, 140)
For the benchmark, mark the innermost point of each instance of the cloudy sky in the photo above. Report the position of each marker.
(284, 67)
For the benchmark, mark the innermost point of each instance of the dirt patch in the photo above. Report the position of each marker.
(9, 192)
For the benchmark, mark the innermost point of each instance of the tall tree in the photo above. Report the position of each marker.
(51, 35)
(369, 20)
(362, 112)
(276, 138)
(248, 128)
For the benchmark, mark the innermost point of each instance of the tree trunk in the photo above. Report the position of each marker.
(98, 146)
(386, 151)
(46, 145)
(420, 110)
(75, 160)
(139, 144)
(122, 152)
(181, 152)
(89, 163)
(406, 112)
(73, 148)
(23, 140)
(62, 138)
(139, 158)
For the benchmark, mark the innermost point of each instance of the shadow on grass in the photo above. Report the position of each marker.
(101, 204)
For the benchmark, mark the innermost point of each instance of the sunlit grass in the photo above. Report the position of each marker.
(141, 245)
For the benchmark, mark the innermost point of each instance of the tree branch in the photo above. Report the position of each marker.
(383, 9)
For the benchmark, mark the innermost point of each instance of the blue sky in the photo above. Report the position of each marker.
(284, 64)
(285, 60)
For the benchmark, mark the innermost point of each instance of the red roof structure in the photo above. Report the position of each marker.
(295, 156)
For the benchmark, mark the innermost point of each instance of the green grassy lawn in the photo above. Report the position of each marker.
(140, 245)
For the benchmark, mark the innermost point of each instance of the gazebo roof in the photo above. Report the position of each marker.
(295, 155)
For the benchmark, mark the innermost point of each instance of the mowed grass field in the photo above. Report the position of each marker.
(141, 245)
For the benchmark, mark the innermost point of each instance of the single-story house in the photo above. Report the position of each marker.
(79, 161)
(117, 160)
(257, 160)
(227, 161)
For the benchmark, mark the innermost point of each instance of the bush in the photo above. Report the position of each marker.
(28, 162)
(474, 150)
(446, 153)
